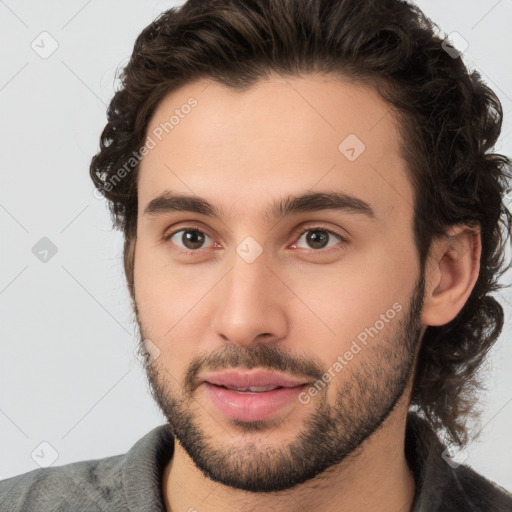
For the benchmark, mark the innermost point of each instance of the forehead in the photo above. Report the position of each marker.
(280, 137)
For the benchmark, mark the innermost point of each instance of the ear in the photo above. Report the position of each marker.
(451, 272)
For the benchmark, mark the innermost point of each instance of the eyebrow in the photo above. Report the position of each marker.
(169, 202)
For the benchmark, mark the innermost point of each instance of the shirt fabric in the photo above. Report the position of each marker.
(132, 482)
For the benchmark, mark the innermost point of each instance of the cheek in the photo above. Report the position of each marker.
(170, 313)
(343, 299)
(367, 291)
(167, 292)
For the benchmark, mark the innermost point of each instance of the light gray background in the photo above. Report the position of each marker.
(68, 373)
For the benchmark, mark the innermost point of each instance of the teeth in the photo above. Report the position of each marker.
(254, 389)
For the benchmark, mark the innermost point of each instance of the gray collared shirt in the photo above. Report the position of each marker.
(132, 482)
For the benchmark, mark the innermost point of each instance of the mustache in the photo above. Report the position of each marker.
(264, 356)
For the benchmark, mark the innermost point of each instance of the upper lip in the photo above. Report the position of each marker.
(250, 378)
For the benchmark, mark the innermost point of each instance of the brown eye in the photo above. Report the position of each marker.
(318, 238)
(191, 239)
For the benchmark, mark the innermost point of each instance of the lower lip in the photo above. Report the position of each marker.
(247, 406)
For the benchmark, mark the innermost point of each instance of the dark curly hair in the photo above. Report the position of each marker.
(449, 122)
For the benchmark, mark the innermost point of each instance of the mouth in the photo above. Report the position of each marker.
(254, 395)
(251, 389)
(257, 379)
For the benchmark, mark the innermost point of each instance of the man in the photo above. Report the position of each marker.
(312, 230)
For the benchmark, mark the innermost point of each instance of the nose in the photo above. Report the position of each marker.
(250, 304)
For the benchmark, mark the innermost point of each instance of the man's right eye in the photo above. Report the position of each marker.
(188, 239)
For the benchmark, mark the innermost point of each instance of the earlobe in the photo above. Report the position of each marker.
(451, 273)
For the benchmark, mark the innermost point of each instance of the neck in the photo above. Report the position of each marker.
(375, 477)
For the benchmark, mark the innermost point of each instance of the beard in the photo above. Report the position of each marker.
(331, 433)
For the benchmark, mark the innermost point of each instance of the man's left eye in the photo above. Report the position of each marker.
(318, 238)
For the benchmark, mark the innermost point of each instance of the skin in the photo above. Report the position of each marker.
(241, 151)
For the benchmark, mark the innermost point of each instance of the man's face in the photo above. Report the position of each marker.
(323, 303)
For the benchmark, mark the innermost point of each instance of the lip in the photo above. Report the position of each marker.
(249, 378)
(252, 405)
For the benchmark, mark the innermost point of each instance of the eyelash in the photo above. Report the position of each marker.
(297, 235)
